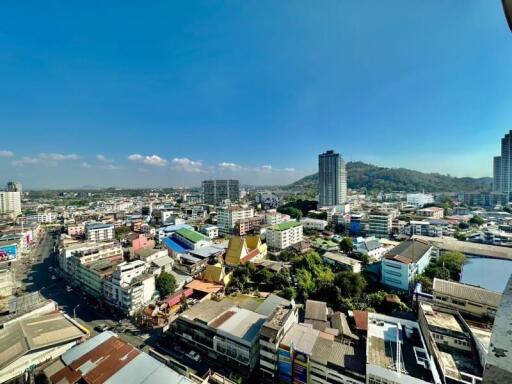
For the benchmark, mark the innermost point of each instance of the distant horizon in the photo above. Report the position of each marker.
(172, 92)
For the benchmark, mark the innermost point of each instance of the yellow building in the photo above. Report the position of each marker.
(243, 249)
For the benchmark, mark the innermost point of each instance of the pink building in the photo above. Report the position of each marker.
(142, 242)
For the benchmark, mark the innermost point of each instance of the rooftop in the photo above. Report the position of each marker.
(107, 359)
(36, 333)
(192, 235)
(285, 225)
(409, 251)
(94, 226)
(466, 292)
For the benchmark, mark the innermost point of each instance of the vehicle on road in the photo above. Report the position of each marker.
(54, 277)
(69, 289)
(101, 328)
(194, 356)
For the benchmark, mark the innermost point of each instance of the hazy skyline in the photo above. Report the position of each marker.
(170, 93)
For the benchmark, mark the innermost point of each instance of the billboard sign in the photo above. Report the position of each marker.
(8, 252)
(300, 367)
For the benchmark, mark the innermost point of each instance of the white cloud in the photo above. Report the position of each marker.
(266, 167)
(85, 165)
(186, 165)
(111, 167)
(5, 153)
(149, 160)
(229, 166)
(289, 169)
(57, 156)
(25, 160)
(103, 159)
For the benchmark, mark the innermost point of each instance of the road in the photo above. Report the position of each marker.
(36, 275)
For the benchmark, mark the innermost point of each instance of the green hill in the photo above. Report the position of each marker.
(361, 175)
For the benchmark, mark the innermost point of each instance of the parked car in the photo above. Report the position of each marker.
(194, 356)
(101, 328)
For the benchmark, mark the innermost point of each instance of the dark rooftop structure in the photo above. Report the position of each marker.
(409, 251)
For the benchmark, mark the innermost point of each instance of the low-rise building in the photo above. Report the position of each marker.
(314, 224)
(450, 341)
(273, 217)
(244, 249)
(107, 359)
(42, 217)
(396, 353)
(76, 230)
(284, 235)
(210, 230)
(229, 216)
(28, 343)
(343, 261)
(431, 212)
(467, 299)
(419, 200)
(191, 239)
(224, 330)
(401, 264)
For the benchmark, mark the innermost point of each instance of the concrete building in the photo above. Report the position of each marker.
(248, 225)
(88, 254)
(498, 365)
(272, 332)
(284, 235)
(273, 217)
(210, 230)
(401, 264)
(10, 203)
(14, 186)
(465, 298)
(314, 224)
(99, 232)
(307, 355)
(76, 230)
(30, 342)
(450, 340)
(191, 239)
(431, 212)
(42, 217)
(130, 287)
(332, 179)
(419, 200)
(396, 353)
(222, 329)
(90, 277)
(216, 191)
(229, 216)
(380, 222)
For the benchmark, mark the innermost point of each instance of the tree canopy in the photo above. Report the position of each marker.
(165, 283)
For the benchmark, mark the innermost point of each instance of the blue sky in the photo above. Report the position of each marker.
(170, 93)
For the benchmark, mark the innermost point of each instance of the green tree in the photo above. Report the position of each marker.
(165, 283)
(305, 284)
(460, 236)
(121, 232)
(288, 293)
(426, 283)
(350, 284)
(346, 245)
(453, 261)
(463, 225)
(183, 302)
(293, 212)
(281, 280)
(477, 220)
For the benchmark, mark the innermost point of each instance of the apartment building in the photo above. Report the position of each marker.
(273, 217)
(99, 232)
(419, 200)
(284, 235)
(90, 277)
(248, 225)
(314, 224)
(229, 216)
(42, 217)
(76, 230)
(130, 287)
(401, 264)
(380, 222)
(10, 203)
(210, 230)
(111, 251)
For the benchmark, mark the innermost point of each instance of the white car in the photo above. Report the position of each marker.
(53, 277)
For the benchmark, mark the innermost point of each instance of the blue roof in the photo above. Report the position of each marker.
(174, 228)
(174, 246)
(98, 226)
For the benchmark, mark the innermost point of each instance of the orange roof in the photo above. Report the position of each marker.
(203, 286)
(361, 319)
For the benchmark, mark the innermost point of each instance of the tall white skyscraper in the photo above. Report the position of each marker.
(502, 167)
(332, 178)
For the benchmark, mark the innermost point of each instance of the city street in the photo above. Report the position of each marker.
(37, 276)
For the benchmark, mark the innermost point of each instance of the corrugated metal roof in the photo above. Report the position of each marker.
(244, 324)
(174, 246)
(89, 345)
(467, 292)
(147, 370)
